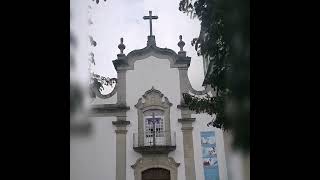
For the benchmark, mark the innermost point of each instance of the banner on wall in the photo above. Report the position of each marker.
(209, 155)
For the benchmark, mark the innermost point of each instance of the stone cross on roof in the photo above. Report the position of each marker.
(150, 17)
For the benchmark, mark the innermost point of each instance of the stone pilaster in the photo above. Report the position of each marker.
(188, 147)
(121, 148)
(121, 93)
(183, 75)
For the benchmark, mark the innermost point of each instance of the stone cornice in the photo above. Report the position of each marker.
(121, 123)
(111, 109)
(186, 120)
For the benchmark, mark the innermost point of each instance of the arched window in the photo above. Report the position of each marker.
(153, 119)
(154, 125)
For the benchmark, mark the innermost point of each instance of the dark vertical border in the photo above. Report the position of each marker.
(35, 89)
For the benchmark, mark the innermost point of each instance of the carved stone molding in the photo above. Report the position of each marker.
(148, 162)
(153, 100)
(120, 123)
(108, 110)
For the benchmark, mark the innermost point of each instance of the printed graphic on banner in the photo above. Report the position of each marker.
(209, 155)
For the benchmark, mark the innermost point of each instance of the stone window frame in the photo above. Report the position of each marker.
(153, 100)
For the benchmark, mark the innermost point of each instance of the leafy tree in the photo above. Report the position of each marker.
(224, 39)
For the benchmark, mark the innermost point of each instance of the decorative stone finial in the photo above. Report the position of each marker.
(181, 45)
(121, 46)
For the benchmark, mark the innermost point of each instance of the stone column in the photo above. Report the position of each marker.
(188, 147)
(121, 148)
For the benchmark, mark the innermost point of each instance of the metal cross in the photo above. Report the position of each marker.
(150, 17)
(153, 121)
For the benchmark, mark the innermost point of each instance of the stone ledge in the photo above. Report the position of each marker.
(157, 149)
(108, 108)
(183, 120)
(182, 106)
(121, 123)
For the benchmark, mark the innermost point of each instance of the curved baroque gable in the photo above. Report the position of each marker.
(127, 62)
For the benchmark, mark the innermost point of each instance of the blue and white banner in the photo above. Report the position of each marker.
(209, 155)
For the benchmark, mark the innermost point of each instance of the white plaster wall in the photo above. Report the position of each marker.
(94, 156)
(154, 72)
(111, 100)
(235, 160)
(199, 125)
(178, 153)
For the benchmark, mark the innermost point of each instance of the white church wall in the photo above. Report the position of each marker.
(94, 156)
(132, 156)
(154, 72)
(111, 100)
(199, 125)
(235, 160)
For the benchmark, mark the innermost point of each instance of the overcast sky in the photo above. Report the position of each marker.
(123, 18)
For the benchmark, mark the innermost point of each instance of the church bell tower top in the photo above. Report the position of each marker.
(151, 38)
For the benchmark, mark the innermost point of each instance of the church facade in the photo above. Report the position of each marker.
(142, 130)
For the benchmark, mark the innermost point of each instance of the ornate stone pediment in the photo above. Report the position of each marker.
(153, 99)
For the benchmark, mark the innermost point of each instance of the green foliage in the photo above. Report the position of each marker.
(238, 36)
(224, 39)
(211, 44)
(212, 105)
